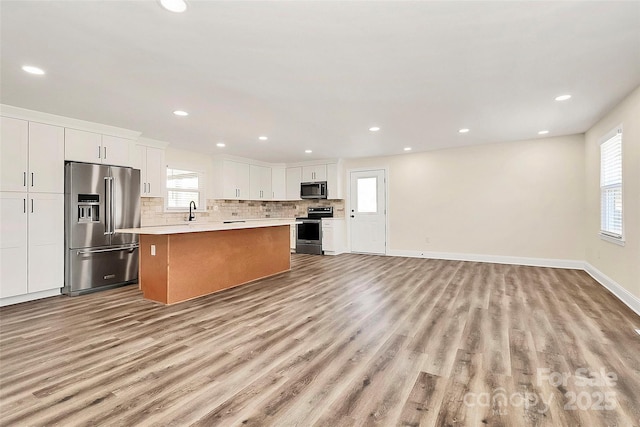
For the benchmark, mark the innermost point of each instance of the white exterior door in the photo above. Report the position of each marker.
(368, 212)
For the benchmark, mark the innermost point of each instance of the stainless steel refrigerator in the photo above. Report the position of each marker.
(100, 199)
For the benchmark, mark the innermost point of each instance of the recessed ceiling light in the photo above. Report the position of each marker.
(562, 97)
(180, 113)
(221, 144)
(407, 148)
(262, 138)
(33, 70)
(308, 151)
(463, 130)
(543, 132)
(374, 129)
(174, 5)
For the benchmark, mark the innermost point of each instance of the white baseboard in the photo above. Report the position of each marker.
(621, 293)
(29, 297)
(495, 259)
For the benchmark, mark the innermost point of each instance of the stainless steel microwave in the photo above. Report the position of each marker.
(313, 190)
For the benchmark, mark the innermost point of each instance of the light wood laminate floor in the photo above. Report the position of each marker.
(338, 341)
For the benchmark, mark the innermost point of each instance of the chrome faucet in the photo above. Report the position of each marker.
(191, 215)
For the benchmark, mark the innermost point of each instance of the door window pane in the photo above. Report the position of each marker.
(367, 195)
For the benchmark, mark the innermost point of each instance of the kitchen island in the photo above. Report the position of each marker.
(182, 262)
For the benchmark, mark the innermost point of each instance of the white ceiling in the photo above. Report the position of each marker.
(317, 75)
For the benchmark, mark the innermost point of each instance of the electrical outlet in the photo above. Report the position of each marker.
(153, 250)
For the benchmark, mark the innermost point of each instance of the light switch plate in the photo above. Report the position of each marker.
(153, 250)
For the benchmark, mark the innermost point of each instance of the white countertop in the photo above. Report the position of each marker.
(197, 227)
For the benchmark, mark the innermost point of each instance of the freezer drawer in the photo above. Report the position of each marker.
(97, 268)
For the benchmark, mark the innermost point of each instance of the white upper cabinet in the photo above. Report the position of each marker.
(152, 171)
(279, 183)
(90, 147)
(314, 173)
(334, 181)
(115, 150)
(235, 180)
(32, 157)
(46, 158)
(82, 146)
(14, 154)
(260, 182)
(294, 178)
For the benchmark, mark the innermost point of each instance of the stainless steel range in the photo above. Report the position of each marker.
(309, 230)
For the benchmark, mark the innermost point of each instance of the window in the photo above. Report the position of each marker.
(611, 185)
(367, 195)
(183, 186)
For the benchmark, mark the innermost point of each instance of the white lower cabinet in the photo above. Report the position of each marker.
(333, 236)
(31, 244)
(293, 238)
(13, 244)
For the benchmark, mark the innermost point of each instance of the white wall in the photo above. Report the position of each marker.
(620, 263)
(515, 199)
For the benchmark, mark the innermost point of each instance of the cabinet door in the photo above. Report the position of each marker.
(265, 184)
(243, 180)
(278, 183)
(333, 182)
(46, 158)
(327, 237)
(82, 146)
(320, 173)
(13, 244)
(46, 241)
(115, 151)
(13, 154)
(308, 173)
(155, 172)
(255, 184)
(229, 180)
(294, 178)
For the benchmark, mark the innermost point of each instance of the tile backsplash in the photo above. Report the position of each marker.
(153, 213)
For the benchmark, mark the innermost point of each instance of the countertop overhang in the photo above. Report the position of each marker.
(196, 227)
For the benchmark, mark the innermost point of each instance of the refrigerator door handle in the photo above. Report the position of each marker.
(113, 206)
(108, 208)
(98, 251)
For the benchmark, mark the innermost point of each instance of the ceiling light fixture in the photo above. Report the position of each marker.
(543, 132)
(33, 70)
(262, 138)
(176, 6)
(308, 151)
(221, 144)
(374, 129)
(562, 97)
(180, 113)
(407, 148)
(463, 130)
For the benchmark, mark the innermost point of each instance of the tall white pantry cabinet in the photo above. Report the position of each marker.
(31, 209)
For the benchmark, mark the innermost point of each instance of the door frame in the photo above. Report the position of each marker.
(387, 237)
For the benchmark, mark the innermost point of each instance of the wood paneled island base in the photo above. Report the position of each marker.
(190, 265)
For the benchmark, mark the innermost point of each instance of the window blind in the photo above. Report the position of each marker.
(611, 186)
(183, 186)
